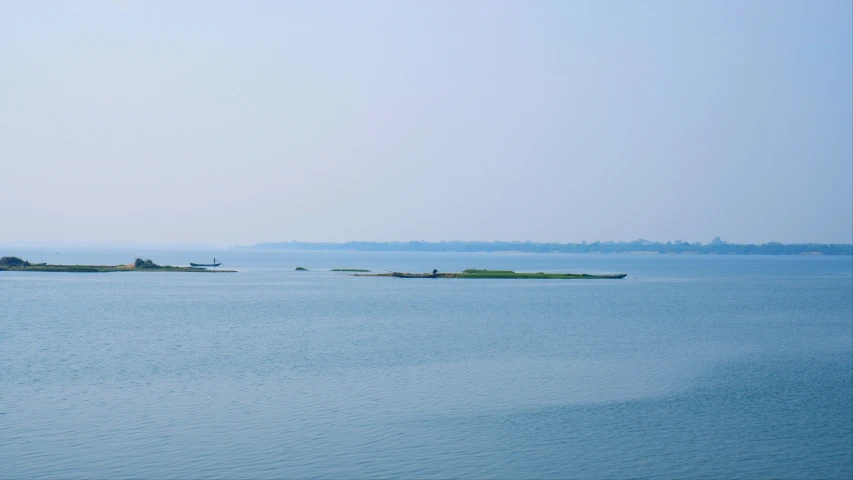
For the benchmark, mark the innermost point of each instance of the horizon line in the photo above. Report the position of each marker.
(37, 243)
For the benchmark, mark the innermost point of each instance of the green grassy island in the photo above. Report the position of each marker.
(502, 274)
(16, 264)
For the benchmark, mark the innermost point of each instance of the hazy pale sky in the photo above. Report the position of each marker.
(242, 122)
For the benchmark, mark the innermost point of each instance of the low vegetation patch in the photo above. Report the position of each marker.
(145, 264)
(140, 265)
(13, 262)
(474, 271)
(508, 274)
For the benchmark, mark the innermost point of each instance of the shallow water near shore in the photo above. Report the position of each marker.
(692, 366)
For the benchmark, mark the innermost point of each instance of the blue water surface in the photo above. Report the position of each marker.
(692, 366)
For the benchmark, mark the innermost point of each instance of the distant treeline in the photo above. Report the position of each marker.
(638, 246)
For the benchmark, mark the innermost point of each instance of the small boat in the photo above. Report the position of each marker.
(214, 264)
(606, 275)
(414, 275)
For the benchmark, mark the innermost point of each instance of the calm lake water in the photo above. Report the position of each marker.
(692, 366)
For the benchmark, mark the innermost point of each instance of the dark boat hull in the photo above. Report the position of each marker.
(205, 264)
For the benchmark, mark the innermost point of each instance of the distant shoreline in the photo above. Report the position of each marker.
(639, 247)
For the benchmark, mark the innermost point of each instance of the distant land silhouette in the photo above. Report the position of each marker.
(715, 247)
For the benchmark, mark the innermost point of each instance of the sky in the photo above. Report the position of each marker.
(232, 123)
